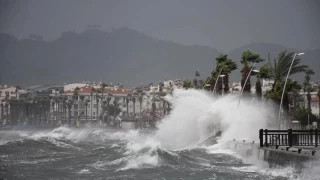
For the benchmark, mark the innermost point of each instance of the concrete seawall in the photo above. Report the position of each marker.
(283, 156)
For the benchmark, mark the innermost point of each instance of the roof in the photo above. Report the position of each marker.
(87, 90)
(315, 99)
(43, 87)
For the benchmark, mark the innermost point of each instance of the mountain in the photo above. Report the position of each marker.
(123, 55)
(310, 58)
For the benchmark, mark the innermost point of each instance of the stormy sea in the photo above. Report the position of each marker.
(179, 149)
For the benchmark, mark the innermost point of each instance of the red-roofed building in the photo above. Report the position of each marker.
(93, 111)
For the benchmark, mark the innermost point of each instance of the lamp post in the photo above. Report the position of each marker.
(215, 84)
(285, 83)
(222, 82)
(246, 81)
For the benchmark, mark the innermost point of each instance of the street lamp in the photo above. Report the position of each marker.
(215, 84)
(256, 71)
(285, 83)
(222, 82)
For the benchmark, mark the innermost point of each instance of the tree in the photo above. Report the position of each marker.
(247, 58)
(76, 99)
(195, 80)
(2, 112)
(302, 116)
(140, 104)
(161, 85)
(197, 74)
(295, 98)
(308, 86)
(263, 74)
(127, 102)
(224, 66)
(69, 105)
(93, 90)
(278, 70)
(97, 99)
(134, 106)
(187, 84)
(115, 104)
(279, 67)
(103, 86)
(86, 105)
(108, 106)
(318, 94)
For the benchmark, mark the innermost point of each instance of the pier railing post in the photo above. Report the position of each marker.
(316, 137)
(290, 137)
(261, 137)
(266, 137)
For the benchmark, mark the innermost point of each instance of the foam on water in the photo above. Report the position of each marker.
(195, 116)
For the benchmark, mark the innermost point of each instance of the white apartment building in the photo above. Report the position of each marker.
(10, 92)
(84, 94)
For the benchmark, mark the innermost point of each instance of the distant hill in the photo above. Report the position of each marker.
(123, 55)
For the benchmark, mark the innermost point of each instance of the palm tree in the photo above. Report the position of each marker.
(308, 72)
(86, 105)
(103, 109)
(76, 98)
(91, 95)
(224, 66)
(108, 106)
(318, 94)
(263, 74)
(140, 104)
(279, 68)
(69, 105)
(103, 86)
(133, 99)
(247, 58)
(115, 107)
(53, 102)
(97, 99)
(127, 102)
(195, 80)
(1, 112)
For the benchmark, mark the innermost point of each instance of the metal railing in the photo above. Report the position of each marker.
(289, 137)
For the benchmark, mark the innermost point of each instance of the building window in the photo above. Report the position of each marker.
(94, 98)
(94, 113)
(82, 106)
(75, 106)
(95, 106)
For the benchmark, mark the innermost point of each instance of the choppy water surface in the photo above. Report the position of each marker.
(173, 152)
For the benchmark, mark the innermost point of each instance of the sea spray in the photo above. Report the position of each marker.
(196, 115)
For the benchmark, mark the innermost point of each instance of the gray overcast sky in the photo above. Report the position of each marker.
(221, 24)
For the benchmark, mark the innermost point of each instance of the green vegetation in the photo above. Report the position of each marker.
(275, 69)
